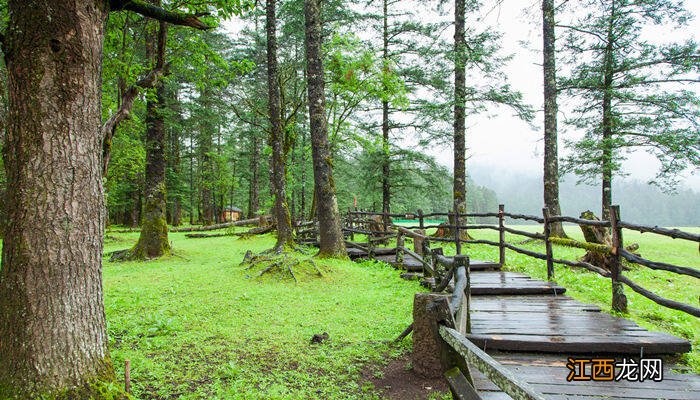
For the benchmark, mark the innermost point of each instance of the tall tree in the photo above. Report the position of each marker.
(551, 155)
(386, 161)
(56, 342)
(634, 93)
(331, 241)
(459, 142)
(153, 240)
(285, 235)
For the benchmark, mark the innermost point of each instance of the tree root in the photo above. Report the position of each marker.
(277, 261)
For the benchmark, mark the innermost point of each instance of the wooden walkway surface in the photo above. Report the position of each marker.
(529, 327)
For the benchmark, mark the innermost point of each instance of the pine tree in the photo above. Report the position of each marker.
(632, 93)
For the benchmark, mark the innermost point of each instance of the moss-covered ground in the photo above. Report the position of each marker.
(196, 325)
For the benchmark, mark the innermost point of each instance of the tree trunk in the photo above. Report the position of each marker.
(254, 189)
(386, 166)
(205, 144)
(174, 160)
(153, 241)
(281, 209)
(331, 241)
(460, 170)
(192, 206)
(551, 155)
(607, 125)
(52, 319)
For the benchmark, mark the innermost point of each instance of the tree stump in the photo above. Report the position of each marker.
(426, 352)
(597, 235)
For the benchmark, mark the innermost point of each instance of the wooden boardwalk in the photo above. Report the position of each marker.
(531, 328)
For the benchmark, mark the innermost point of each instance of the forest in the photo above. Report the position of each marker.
(129, 127)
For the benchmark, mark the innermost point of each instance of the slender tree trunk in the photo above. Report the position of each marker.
(175, 161)
(460, 149)
(192, 206)
(153, 241)
(331, 242)
(551, 155)
(285, 235)
(302, 200)
(607, 125)
(206, 167)
(254, 188)
(52, 321)
(386, 156)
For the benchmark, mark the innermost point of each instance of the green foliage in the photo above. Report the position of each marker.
(651, 106)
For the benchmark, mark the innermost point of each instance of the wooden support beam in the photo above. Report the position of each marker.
(499, 375)
(459, 385)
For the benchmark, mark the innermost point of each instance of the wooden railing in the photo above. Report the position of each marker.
(443, 323)
(360, 222)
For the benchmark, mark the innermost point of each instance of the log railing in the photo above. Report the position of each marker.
(441, 323)
(359, 222)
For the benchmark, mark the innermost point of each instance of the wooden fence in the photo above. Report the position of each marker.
(360, 222)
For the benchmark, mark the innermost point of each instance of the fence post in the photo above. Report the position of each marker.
(548, 244)
(463, 318)
(458, 236)
(350, 224)
(421, 222)
(619, 300)
(501, 235)
(399, 249)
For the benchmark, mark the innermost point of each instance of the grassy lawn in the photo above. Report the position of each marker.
(196, 325)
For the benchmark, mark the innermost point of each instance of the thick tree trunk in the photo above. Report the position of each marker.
(607, 123)
(153, 241)
(254, 188)
(52, 321)
(331, 241)
(551, 155)
(386, 160)
(278, 176)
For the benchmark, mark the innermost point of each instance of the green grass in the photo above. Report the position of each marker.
(591, 288)
(196, 325)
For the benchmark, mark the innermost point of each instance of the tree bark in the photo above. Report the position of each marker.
(551, 154)
(283, 220)
(153, 241)
(52, 321)
(331, 241)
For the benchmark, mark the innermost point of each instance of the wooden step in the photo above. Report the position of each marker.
(559, 324)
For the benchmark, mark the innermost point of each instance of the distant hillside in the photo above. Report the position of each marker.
(639, 202)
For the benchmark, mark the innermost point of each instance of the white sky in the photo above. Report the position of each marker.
(506, 143)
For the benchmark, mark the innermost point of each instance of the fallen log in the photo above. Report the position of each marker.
(256, 231)
(253, 221)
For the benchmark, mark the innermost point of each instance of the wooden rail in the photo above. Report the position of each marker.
(616, 252)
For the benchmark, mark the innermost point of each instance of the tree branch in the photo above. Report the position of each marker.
(155, 12)
(127, 103)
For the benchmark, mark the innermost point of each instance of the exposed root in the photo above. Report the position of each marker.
(281, 263)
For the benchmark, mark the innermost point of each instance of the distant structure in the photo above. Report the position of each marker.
(231, 214)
